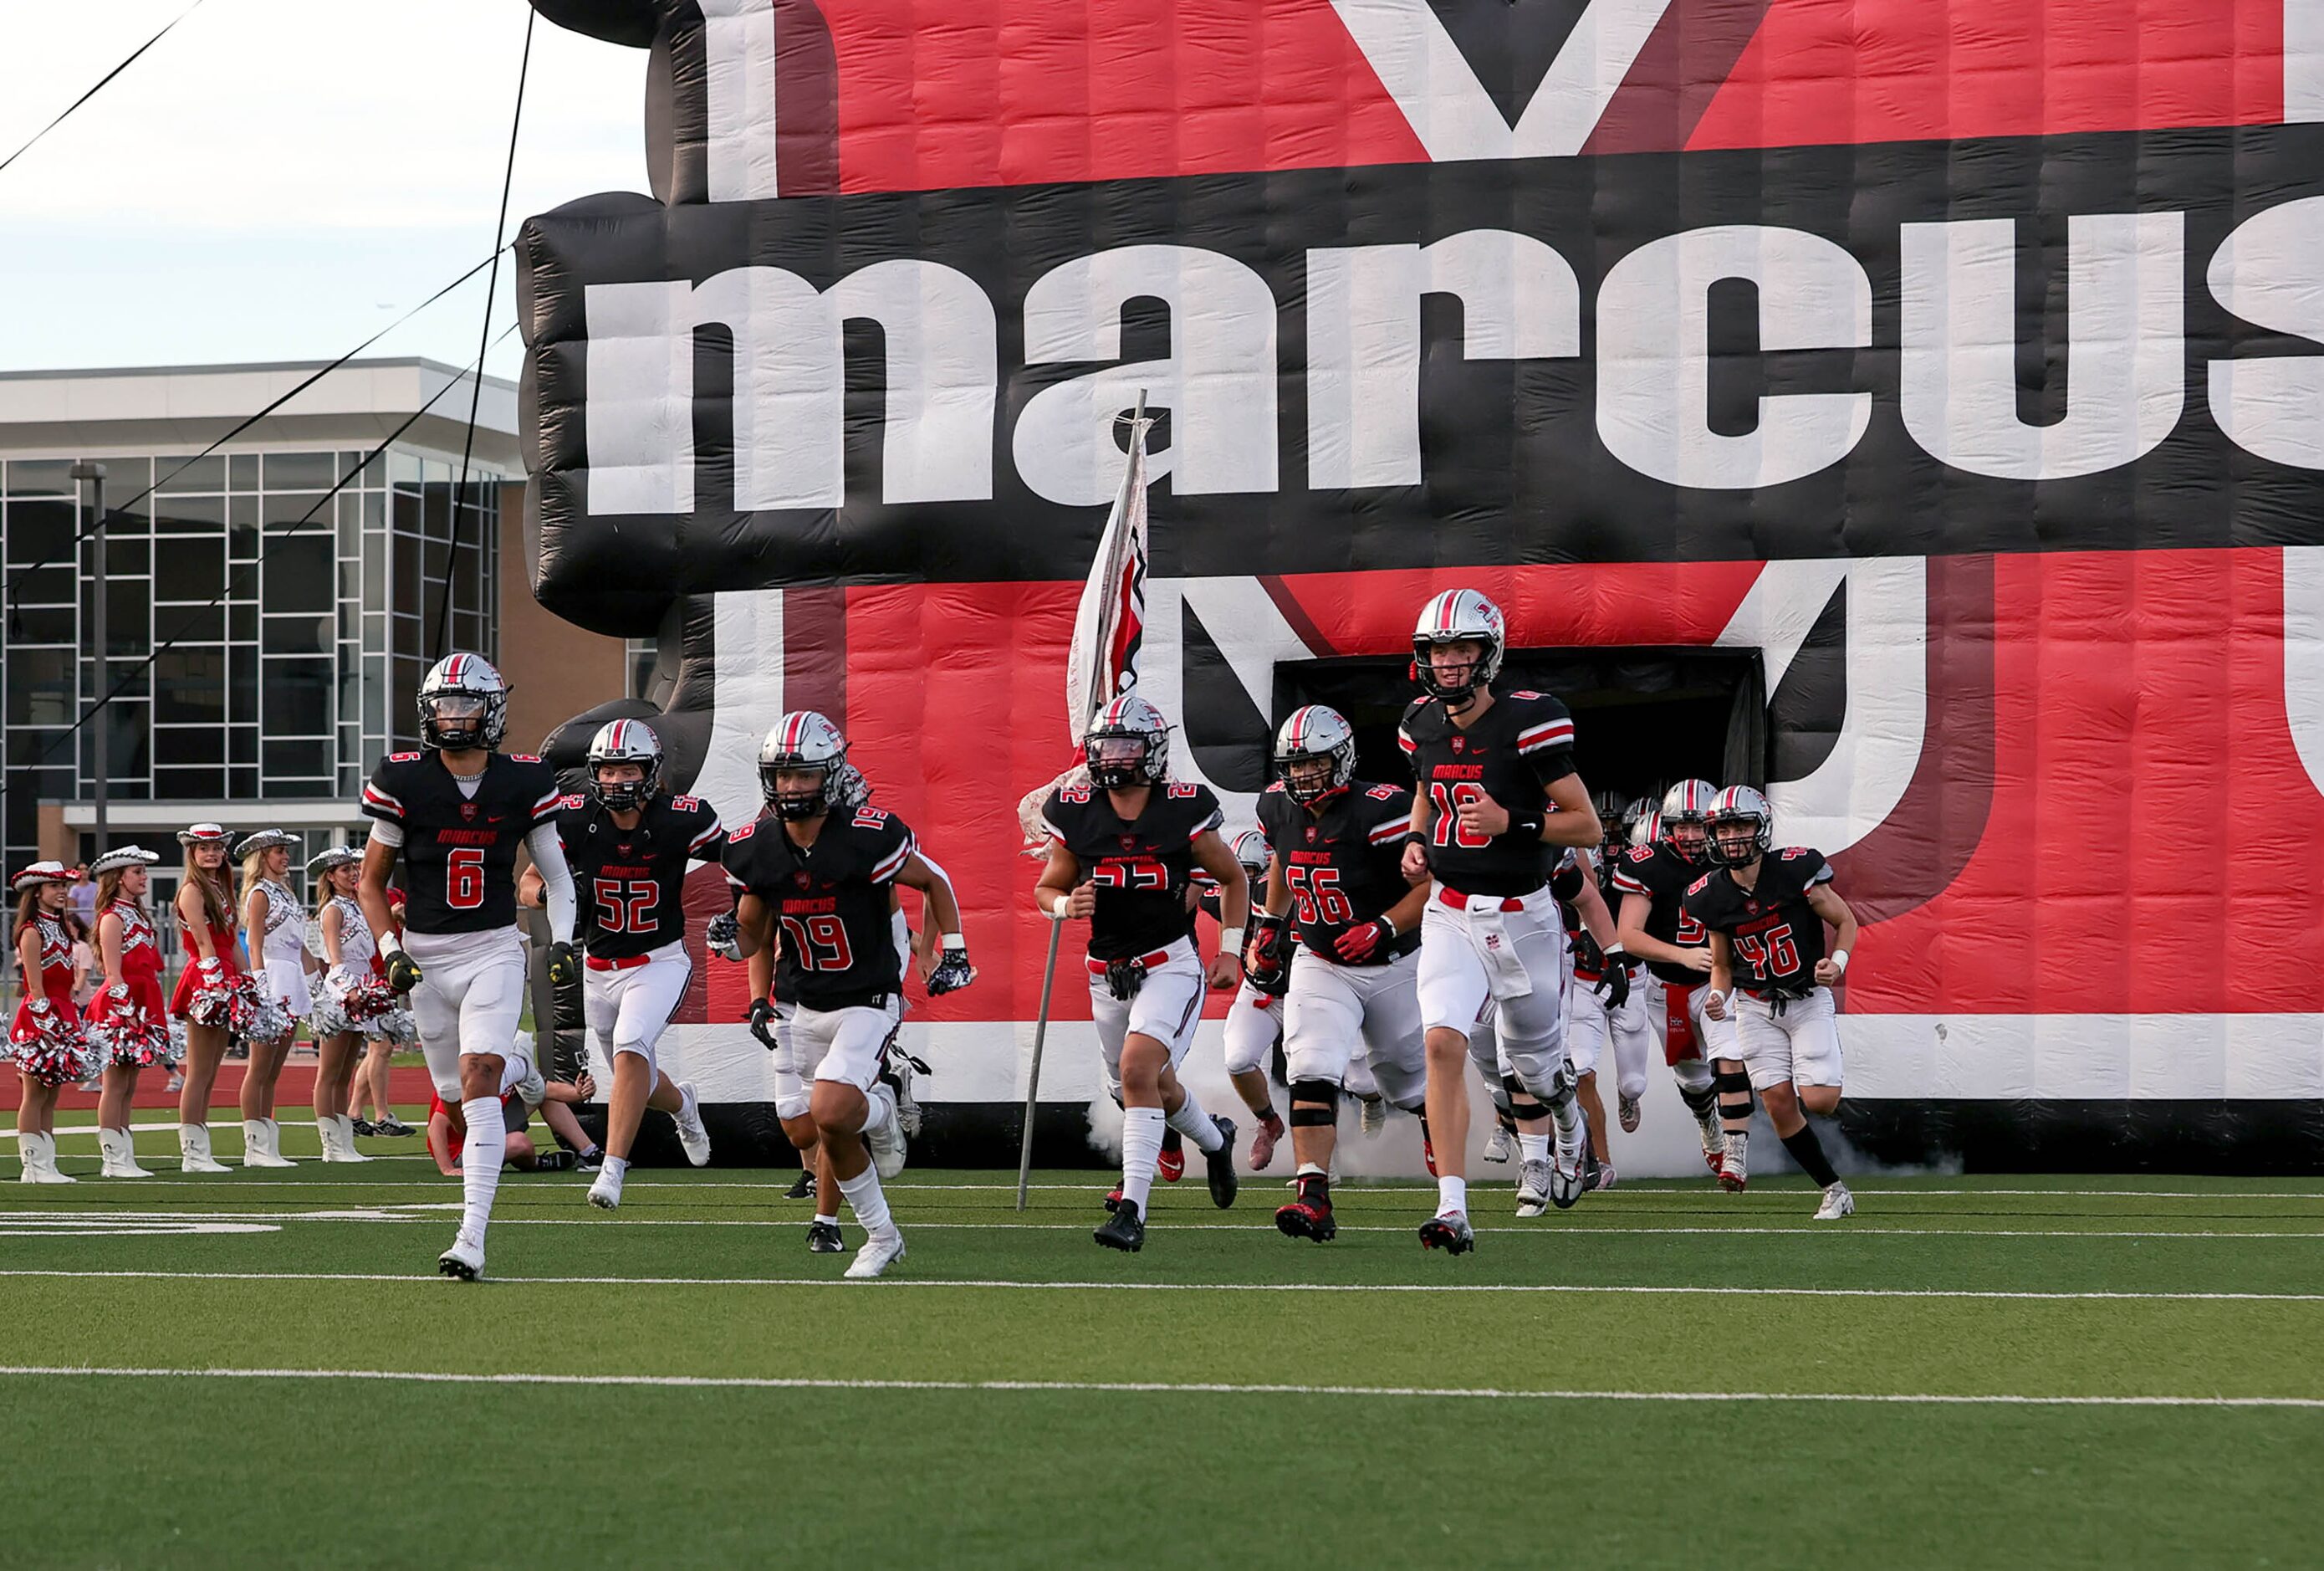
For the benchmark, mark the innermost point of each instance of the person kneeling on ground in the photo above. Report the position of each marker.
(448, 1131)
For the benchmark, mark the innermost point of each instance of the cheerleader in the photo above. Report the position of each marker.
(128, 1018)
(274, 937)
(343, 1017)
(46, 1041)
(204, 912)
(395, 1029)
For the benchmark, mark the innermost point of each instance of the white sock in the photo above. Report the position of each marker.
(480, 1163)
(879, 1108)
(830, 1221)
(1141, 1144)
(865, 1198)
(1192, 1122)
(1567, 1112)
(1452, 1194)
(1307, 1168)
(1533, 1148)
(689, 1110)
(617, 1167)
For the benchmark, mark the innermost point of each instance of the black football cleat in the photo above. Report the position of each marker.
(1124, 1229)
(802, 1187)
(1309, 1219)
(1221, 1165)
(823, 1238)
(1450, 1232)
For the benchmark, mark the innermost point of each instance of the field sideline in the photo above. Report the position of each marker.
(2060, 1371)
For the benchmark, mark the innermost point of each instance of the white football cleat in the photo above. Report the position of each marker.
(1372, 1117)
(879, 1251)
(884, 1137)
(691, 1135)
(1533, 1181)
(1500, 1145)
(1735, 1164)
(1715, 1140)
(464, 1259)
(606, 1194)
(1836, 1203)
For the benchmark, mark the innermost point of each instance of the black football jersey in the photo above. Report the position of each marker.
(1776, 935)
(633, 882)
(459, 852)
(1525, 741)
(830, 901)
(1344, 865)
(1141, 869)
(1566, 882)
(1663, 877)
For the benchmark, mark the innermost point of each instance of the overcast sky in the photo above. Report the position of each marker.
(277, 179)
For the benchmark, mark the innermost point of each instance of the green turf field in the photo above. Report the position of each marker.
(2090, 1371)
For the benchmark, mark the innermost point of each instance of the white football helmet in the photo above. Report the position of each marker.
(1314, 734)
(1455, 616)
(1250, 849)
(805, 741)
(626, 742)
(1128, 745)
(1682, 821)
(462, 703)
(1741, 826)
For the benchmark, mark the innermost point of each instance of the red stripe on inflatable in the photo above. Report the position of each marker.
(1910, 70)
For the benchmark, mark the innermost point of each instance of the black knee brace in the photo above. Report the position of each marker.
(1314, 1105)
(1734, 1086)
(1524, 1107)
(1700, 1100)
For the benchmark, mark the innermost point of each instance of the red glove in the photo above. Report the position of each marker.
(1362, 941)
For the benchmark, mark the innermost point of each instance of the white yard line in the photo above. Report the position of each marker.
(1484, 1393)
(1571, 1288)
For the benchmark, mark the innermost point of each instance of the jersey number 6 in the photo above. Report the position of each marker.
(464, 878)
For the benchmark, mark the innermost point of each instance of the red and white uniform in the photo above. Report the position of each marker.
(140, 974)
(190, 982)
(55, 982)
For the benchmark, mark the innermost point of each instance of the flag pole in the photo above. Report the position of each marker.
(1057, 928)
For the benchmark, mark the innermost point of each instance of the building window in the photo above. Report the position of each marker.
(642, 657)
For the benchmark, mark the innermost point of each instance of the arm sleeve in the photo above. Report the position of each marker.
(388, 832)
(548, 850)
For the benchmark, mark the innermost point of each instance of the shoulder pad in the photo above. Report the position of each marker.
(1698, 885)
(744, 833)
(685, 804)
(1792, 854)
(1638, 854)
(403, 758)
(1181, 791)
(870, 818)
(1384, 793)
(574, 802)
(1275, 789)
(1522, 693)
(524, 758)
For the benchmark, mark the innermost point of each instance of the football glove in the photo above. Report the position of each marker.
(762, 1023)
(951, 973)
(1362, 942)
(564, 964)
(1267, 954)
(1614, 985)
(723, 937)
(402, 972)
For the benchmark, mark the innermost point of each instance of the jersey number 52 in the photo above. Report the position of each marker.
(627, 907)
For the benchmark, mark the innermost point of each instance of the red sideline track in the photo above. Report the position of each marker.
(407, 1084)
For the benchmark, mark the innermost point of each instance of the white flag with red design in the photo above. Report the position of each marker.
(1111, 621)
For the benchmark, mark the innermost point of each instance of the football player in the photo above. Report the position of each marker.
(456, 812)
(1336, 876)
(1653, 880)
(629, 845)
(1496, 783)
(820, 871)
(1766, 912)
(1254, 1021)
(1123, 850)
(1625, 1022)
(1597, 987)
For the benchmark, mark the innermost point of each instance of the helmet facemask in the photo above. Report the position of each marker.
(1739, 839)
(1686, 836)
(1121, 760)
(457, 720)
(791, 800)
(623, 796)
(1455, 682)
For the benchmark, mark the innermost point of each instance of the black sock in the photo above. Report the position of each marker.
(1808, 1151)
(1315, 1186)
(1267, 1114)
